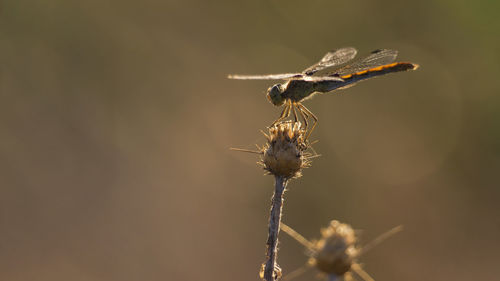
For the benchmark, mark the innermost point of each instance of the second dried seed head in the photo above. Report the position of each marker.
(336, 251)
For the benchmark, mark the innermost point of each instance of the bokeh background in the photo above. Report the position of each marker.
(116, 119)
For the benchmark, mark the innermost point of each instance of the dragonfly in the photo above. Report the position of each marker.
(327, 75)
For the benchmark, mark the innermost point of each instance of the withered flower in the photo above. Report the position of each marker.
(336, 251)
(284, 154)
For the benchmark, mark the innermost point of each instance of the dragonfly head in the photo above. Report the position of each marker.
(274, 95)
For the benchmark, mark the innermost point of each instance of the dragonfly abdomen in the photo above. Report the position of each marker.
(376, 71)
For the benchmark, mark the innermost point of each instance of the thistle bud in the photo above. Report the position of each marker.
(284, 152)
(336, 251)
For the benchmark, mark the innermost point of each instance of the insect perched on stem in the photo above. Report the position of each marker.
(300, 86)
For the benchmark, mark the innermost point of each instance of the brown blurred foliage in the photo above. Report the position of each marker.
(116, 119)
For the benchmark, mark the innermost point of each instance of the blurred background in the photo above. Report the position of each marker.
(116, 119)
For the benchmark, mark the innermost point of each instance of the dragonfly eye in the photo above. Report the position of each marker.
(274, 95)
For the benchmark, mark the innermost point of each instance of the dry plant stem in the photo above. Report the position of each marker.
(274, 228)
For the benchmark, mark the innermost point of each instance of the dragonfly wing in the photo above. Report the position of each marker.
(283, 76)
(321, 78)
(332, 58)
(376, 58)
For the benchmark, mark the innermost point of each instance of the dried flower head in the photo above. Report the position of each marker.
(336, 251)
(283, 155)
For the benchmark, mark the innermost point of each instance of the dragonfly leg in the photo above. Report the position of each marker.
(294, 112)
(308, 112)
(284, 114)
(303, 115)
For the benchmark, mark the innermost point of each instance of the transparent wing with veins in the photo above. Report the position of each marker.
(376, 58)
(332, 58)
(321, 78)
(283, 76)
